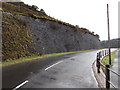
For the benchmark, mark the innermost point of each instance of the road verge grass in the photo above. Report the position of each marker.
(105, 59)
(33, 57)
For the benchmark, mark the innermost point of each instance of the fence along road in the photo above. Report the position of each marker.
(109, 73)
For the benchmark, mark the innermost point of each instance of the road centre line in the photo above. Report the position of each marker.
(20, 85)
(53, 65)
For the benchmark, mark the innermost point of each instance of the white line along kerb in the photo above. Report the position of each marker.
(53, 65)
(20, 85)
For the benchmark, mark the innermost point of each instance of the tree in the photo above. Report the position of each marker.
(93, 32)
(77, 26)
(35, 7)
(41, 10)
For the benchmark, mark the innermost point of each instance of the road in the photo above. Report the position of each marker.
(65, 71)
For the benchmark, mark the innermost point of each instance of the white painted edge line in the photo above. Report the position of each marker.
(20, 85)
(53, 65)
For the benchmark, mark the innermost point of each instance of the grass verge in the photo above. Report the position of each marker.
(105, 59)
(23, 59)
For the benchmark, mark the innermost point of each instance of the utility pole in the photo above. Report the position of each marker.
(108, 35)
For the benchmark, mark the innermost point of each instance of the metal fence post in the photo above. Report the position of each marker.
(107, 76)
(100, 54)
(105, 53)
(98, 63)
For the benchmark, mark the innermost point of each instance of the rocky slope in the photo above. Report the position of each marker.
(27, 31)
(52, 37)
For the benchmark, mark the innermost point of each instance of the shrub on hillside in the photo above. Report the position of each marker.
(34, 7)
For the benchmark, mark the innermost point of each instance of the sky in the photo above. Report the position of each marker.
(90, 14)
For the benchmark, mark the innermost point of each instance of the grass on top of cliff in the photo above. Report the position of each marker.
(33, 57)
(19, 8)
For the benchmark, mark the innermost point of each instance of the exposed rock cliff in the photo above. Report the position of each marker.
(27, 31)
(52, 37)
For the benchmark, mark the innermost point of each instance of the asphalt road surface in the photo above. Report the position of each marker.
(65, 71)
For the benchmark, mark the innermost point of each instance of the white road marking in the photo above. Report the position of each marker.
(20, 85)
(53, 65)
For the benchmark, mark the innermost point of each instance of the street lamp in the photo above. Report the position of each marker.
(108, 34)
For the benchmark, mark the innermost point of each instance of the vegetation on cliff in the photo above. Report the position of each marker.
(16, 38)
(20, 8)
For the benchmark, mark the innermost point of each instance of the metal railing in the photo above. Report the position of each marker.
(107, 69)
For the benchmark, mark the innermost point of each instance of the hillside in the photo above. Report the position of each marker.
(27, 32)
(19, 8)
(114, 43)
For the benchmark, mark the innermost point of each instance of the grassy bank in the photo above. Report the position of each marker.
(33, 57)
(105, 60)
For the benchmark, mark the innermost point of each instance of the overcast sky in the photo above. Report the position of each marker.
(90, 14)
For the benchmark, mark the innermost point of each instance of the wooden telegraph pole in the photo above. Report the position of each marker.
(108, 35)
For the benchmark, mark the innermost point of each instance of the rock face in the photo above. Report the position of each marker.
(52, 37)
